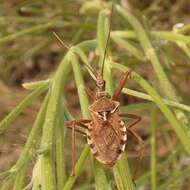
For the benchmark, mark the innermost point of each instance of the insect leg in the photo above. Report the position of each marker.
(80, 122)
(121, 85)
(72, 124)
(90, 93)
(77, 130)
(131, 116)
(141, 151)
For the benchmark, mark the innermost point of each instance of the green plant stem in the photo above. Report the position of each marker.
(48, 175)
(86, 187)
(85, 113)
(136, 52)
(185, 48)
(89, 44)
(80, 86)
(33, 29)
(164, 35)
(100, 177)
(39, 28)
(25, 156)
(32, 138)
(6, 185)
(185, 29)
(102, 34)
(171, 36)
(4, 174)
(122, 174)
(60, 149)
(20, 177)
(153, 164)
(78, 168)
(137, 106)
(177, 126)
(5, 123)
(129, 34)
(36, 84)
(22, 19)
(148, 97)
(102, 37)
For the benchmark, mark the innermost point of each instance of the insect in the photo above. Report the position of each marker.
(106, 132)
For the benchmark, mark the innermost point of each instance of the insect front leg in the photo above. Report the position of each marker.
(81, 122)
(72, 125)
(90, 93)
(137, 137)
(122, 82)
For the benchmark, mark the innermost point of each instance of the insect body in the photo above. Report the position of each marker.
(106, 132)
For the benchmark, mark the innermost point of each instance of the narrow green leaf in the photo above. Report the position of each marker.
(153, 155)
(33, 29)
(84, 108)
(60, 149)
(129, 47)
(100, 177)
(78, 168)
(48, 176)
(20, 178)
(36, 84)
(122, 174)
(148, 97)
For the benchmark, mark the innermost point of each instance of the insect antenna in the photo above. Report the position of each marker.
(89, 68)
(107, 41)
(61, 41)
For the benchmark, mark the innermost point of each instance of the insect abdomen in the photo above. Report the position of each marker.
(107, 143)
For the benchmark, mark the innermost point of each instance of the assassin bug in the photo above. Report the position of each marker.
(106, 132)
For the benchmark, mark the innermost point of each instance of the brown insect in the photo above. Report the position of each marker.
(106, 132)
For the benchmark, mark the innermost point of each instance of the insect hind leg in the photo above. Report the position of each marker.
(141, 151)
(72, 125)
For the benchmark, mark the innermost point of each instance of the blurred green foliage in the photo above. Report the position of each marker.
(151, 37)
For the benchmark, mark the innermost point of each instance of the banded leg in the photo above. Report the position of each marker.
(72, 124)
(137, 137)
(122, 82)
